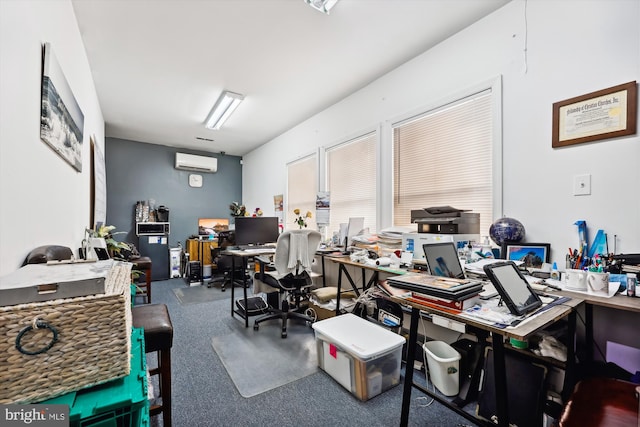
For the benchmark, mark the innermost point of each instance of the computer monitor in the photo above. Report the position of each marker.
(256, 230)
(442, 260)
(208, 226)
(355, 226)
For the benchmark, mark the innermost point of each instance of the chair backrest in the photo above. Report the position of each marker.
(46, 253)
(295, 250)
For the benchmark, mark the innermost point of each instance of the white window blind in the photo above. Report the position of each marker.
(302, 188)
(351, 182)
(444, 158)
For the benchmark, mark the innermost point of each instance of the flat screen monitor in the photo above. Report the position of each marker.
(256, 230)
(355, 226)
(442, 260)
(208, 226)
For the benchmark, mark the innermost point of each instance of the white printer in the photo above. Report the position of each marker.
(441, 224)
(412, 242)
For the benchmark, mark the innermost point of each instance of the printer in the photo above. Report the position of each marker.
(441, 224)
(446, 220)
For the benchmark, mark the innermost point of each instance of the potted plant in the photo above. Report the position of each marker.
(103, 238)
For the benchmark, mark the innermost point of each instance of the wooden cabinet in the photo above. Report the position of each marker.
(200, 250)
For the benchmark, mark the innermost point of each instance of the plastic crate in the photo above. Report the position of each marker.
(118, 403)
(362, 356)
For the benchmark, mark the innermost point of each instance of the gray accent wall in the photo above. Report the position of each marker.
(140, 171)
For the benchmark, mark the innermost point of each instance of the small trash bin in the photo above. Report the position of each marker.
(443, 362)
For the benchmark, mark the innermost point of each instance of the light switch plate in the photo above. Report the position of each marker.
(582, 185)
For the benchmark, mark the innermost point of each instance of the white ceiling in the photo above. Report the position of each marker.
(159, 65)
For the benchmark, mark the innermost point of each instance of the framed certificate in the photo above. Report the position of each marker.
(607, 113)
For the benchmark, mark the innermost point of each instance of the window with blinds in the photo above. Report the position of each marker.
(302, 187)
(444, 158)
(351, 181)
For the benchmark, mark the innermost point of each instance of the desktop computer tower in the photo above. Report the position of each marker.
(194, 272)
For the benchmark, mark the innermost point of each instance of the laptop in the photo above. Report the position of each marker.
(442, 260)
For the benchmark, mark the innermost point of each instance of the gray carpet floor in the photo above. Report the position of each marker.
(205, 395)
(199, 294)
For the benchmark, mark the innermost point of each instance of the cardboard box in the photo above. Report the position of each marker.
(362, 356)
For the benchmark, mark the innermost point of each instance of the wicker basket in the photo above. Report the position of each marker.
(70, 343)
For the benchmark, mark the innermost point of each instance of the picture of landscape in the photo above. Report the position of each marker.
(61, 120)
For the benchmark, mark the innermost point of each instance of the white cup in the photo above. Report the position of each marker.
(576, 279)
(598, 283)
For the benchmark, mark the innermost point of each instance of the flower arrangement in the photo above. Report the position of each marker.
(257, 212)
(301, 220)
(237, 209)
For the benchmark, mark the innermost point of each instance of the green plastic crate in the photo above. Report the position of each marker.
(118, 403)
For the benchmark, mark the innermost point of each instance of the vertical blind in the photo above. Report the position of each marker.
(302, 187)
(444, 158)
(351, 181)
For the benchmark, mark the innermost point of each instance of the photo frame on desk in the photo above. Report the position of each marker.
(531, 254)
(607, 113)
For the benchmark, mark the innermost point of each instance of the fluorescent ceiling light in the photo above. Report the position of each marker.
(322, 5)
(224, 107)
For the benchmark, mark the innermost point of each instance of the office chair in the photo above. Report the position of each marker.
(46, 253)
(295, 251)
(224, 265)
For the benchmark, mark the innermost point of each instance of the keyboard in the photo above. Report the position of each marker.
(267, 250)
(247, 247)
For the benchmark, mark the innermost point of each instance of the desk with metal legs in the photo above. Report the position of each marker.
(616, 302)
(344, 262)
(243, 256)
(520, 332)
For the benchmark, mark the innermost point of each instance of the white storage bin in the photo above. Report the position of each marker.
(363, 357)
(444, 366)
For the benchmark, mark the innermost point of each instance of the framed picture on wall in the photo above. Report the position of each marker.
(61, 120)
(607, 113)
(531, 254)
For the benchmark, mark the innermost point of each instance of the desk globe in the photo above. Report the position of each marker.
(506, 229)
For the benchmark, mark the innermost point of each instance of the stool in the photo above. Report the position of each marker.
(144, 263)
(158, 337)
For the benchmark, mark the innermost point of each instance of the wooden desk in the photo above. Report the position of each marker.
(520, 332)
(243, 256)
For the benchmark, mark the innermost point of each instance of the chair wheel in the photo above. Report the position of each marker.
(256, 327)
(283, 335)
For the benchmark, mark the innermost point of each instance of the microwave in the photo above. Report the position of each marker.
(152, 228)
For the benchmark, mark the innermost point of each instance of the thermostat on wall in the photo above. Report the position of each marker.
(195, 180)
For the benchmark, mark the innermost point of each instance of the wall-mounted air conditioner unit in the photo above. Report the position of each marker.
(196, 163)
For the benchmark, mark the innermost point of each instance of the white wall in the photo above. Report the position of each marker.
(43, 200)
(573, 48)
